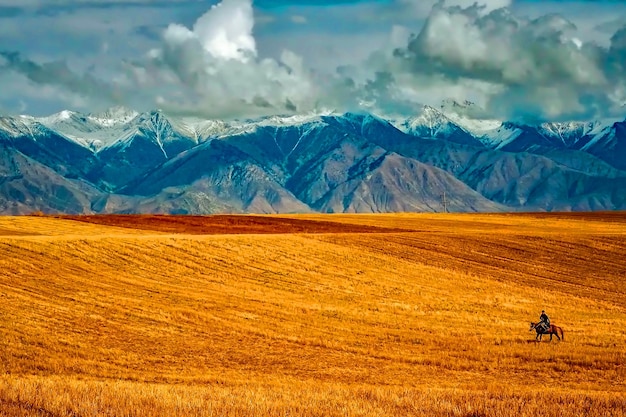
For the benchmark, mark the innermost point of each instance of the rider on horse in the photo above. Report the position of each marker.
(544, 321)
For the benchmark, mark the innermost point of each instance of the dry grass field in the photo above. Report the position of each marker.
(312, 315)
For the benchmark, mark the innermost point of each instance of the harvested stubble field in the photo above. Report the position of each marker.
(312, 315)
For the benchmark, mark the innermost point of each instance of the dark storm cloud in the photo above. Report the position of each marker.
(55, 73)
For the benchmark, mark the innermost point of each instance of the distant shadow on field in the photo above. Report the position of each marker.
(227, 224)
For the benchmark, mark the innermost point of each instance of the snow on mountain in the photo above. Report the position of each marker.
(118, 125)
(602, 131)
(464, 123)
(112, 127)
(33, 128)
(564, 130)
(200, 129)
(237, 127)
(428, 123)
(497, 134)
(59, 117)
(568, 133)
(496, 137)
(154, 126)
(474, 120)
(20, 126)
(324, 161)
(114, 116)
(477, 127)
(293, 120)
(94, 131)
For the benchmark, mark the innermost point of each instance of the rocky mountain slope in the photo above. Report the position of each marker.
(122, 161)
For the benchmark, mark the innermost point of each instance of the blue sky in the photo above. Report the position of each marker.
(271, 56)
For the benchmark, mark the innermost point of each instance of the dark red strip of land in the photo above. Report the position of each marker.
(226, 224)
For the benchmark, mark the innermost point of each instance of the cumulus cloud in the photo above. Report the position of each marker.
(526, 68)
(226, 30)
(541, 68)
(213, 69)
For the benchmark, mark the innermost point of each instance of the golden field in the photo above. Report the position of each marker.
(312, 315)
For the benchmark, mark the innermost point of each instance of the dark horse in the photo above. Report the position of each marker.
(552, 330)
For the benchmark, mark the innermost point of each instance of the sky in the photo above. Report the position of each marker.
(516, 59)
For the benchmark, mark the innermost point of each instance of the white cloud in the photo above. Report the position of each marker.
(540, 67)
(424, 7)
(535, 68)
(226, 30)
(213, 69)
(20, 95)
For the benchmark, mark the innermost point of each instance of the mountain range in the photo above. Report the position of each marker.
(452, 157)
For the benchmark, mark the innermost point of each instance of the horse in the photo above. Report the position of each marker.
(552, 330)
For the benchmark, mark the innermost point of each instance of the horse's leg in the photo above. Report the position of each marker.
(551, 336)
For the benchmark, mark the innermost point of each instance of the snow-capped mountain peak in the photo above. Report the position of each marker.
(477, 127)
(293, 120)
(20, 126)
(200, 129)
(567, 132)
(65, 116)
(461, 122)
(151, 162)
(428, 122)
(113, 116)
(86, 130)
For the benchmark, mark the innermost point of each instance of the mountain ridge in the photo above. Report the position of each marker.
(123, 161)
